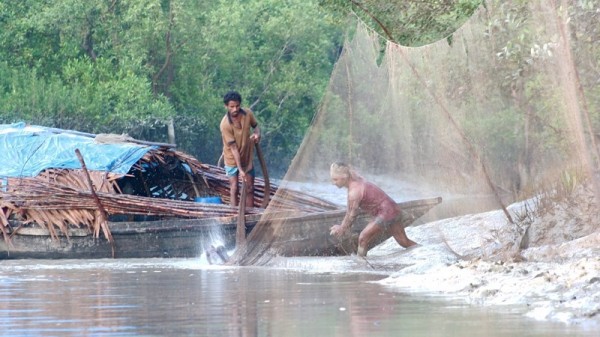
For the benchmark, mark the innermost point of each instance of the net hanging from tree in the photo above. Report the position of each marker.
(486, 117)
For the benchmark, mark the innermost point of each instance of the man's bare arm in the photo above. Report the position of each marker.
(352, 211)
(256, 134)
(236, 156)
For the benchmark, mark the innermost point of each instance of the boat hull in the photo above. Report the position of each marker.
(288, 234)
(309, 235)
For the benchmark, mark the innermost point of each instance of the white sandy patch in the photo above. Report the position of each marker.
(468, 257)
(548, 264)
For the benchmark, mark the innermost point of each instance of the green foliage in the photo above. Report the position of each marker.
(277, 54)
(409, 23)
(109, 105)
(112, 66)
(130, 66)
(584, 18)
(68, 69)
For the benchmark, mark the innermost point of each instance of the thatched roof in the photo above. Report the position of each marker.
(45, 183)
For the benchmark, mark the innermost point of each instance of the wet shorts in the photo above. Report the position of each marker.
(386, 224)
(232, 171)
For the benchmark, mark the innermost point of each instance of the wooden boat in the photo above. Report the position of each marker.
(144, 205)
(308, 234)
(301, 234)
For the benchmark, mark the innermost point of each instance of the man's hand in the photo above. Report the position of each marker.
(337, 231)
(243, 176)
(255, 137)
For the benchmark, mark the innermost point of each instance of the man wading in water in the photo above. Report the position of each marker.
(372, 199)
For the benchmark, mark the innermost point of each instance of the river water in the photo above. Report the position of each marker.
(189, 297)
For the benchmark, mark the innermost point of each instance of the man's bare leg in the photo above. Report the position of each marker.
(233, 190)
(366, 236)
(399, 235)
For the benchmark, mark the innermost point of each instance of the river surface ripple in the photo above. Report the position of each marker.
(187, 297)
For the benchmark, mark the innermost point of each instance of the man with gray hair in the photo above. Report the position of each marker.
(372, 199)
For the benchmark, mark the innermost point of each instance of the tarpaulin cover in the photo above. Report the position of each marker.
(27, 150)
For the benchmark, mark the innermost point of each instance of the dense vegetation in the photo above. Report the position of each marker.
(136, 66)
(132, 66)
(409, 23)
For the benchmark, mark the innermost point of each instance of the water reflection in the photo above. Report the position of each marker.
(183, 297)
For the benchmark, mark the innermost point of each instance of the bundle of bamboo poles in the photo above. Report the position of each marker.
(58, 199)
(281, 198)
(215, 179)
(59, 207)
(61, 199)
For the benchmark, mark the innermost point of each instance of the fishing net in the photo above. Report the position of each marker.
(504, 107)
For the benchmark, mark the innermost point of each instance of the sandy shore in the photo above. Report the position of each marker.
(472, 258)
(547, 263)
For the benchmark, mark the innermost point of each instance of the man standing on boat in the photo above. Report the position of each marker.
(238, 146)
(372, 199)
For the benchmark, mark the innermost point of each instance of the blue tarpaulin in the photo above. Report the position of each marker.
(27, 150)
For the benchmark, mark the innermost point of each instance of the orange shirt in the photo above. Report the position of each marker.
(241, 136)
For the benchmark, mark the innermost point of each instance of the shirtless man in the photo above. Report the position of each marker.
(372, 199)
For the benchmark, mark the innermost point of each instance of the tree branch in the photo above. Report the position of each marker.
(379, 23)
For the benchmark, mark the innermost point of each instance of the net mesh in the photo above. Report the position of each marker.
(483, 118)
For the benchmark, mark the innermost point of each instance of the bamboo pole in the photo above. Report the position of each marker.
(101, 211)
(240, 233)
(267, 185)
